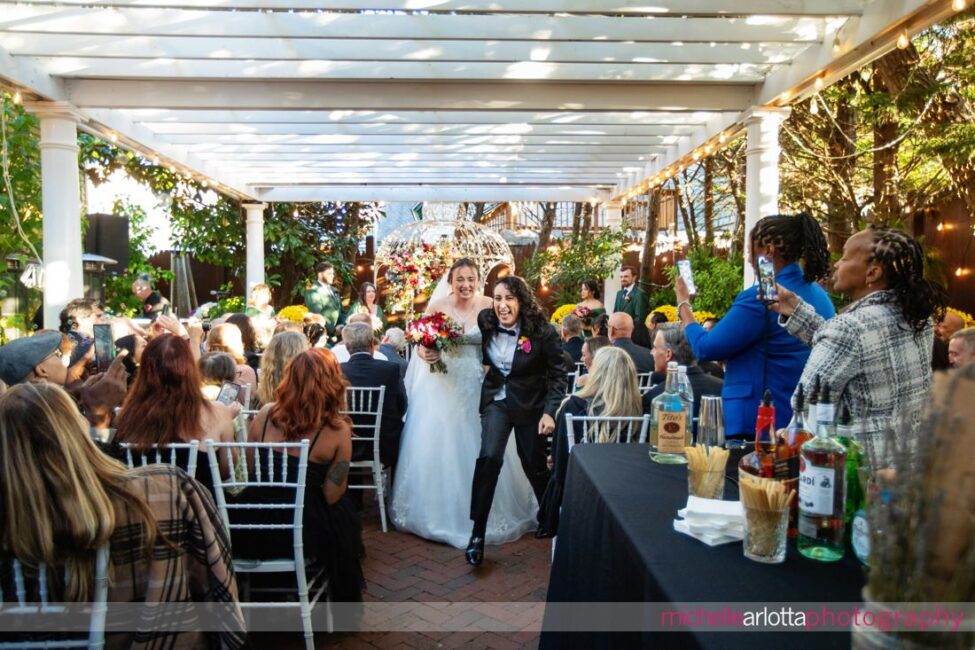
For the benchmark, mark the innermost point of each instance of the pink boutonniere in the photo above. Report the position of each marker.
(525, 345)
(626, 299)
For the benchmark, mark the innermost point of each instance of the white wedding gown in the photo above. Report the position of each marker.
(440, 443)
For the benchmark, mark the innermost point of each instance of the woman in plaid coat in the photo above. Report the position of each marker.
(876, 355)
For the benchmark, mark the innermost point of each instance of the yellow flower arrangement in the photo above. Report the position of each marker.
(293, 313)
(671, 313)
(969, 320)
(560, 313)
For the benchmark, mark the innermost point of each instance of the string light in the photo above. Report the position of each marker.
(903, 41)
(17, 97)
(818, 84)
(958, 5)
(114, 137)
(155, 160)
(814, 106)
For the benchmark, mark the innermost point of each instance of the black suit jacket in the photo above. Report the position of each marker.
(574, 347)
(394, 356)
(363, 371)
(536, 383)
(642, 357)
(701, 383)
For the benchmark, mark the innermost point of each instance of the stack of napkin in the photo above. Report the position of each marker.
(712, 521)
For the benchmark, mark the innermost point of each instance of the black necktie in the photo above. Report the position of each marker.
(502, 330)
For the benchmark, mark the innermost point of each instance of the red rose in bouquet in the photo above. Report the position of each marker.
(584, 314)
(436, 331)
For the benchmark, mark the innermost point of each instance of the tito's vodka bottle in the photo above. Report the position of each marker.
(822, 488)
(671, 424)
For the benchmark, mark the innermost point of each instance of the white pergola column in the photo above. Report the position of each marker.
(61, 207)
(761, 171)
(613, 218)
(255, 244)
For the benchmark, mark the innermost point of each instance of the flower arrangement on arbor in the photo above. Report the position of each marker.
(414, 272)
(293, 313)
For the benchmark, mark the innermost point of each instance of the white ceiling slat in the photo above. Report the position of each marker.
(416, 96)
(420, 140)
(19, 18)
(636, 118)
(630, 7)
(418, 192)
(282, 49)
(432, 149)
(393, 165)
(108, 68)
(206, 129)
(352, 158)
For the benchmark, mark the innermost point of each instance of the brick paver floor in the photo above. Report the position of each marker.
(467, 604)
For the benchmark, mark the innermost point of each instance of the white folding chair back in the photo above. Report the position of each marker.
(23, 607)
(643, 378)
(273, 474)
(598, 428)
(365, 407)
(580, 368)
(570, 385)
(139, 456)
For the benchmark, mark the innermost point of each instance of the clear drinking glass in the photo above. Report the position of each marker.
(706, 485)
(765, 538)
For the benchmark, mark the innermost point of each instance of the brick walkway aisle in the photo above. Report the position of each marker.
(400, 567)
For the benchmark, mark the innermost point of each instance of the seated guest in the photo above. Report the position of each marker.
(656, 318)
(669, 345)
(308, 405)
(279, 352)
(612, 390)
(944, 329)
(341, 352)
(758, 354)
(227, 337)
(249, 337)
(165, 404)
(876, 355)
(288, 326)
(572, 337)
(393, 346)
(165, 536)
(961, 348)
(216, 369)
(41, 358)
(620, 333)
(589, 348)
(363, 370)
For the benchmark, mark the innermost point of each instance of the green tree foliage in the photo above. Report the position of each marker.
(564, 265)
(23, 167)
(718, 280)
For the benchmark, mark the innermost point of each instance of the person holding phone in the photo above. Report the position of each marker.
(759, 353)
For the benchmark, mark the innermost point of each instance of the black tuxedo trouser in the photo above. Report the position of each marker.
(496, 426)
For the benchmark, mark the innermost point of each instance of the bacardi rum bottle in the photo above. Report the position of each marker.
(671, 424)
(822, 488)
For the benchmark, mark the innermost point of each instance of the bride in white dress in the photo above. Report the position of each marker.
(442, 436)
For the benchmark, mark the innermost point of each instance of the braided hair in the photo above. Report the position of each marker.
(902, 259)
(794, 238)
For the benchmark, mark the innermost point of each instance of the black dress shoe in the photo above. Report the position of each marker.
(543, 533)
(475, 551)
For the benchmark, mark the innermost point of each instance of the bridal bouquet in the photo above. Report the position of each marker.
(437, 332)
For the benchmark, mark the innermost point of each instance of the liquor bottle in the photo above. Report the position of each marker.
(787, 447)
(687, 393)
(822, 493)
(761, 462)
(846, 435)
(671, 423)
(812, 402)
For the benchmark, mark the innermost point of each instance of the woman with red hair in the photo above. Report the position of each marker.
(165, 404)
(309, 404)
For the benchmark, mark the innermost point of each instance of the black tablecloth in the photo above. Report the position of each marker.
(616, 543)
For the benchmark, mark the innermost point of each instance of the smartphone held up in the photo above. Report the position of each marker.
(104, 346)
(766, 280)
(684, 269)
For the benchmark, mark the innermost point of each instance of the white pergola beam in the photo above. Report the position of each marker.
(615, 7)
(418, 96)
(185, 22)
(421, 140)
(431, 117)
(635, 150)
(353, 159)
(413, 193)
(109, 68)
(459, 50)
(208, 129)
(420, 165)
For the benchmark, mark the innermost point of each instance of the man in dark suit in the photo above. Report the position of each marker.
(322, 298)
(393, 341)
(572, 337)
(621, 333)
(362, 370)
(670, 344)
(631, 299)
(522, 390)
